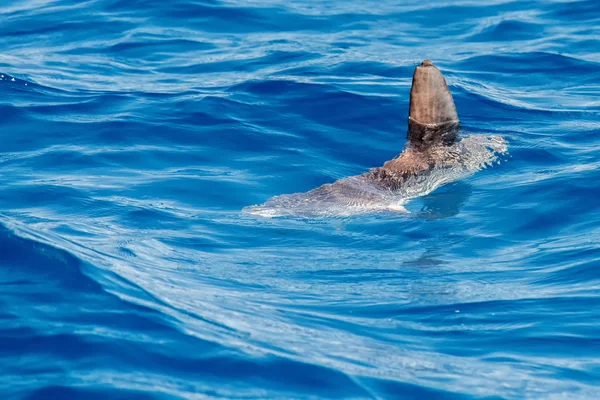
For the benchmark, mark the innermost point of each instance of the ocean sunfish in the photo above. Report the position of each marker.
(434, 155)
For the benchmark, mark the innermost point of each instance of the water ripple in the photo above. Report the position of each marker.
(134, 132)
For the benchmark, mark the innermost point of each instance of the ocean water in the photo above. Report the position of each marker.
(133, 133)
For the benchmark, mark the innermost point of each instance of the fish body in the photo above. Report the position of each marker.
(434, 155)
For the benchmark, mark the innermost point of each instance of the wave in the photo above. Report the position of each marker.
(134, 132)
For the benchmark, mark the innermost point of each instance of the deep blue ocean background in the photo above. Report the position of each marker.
(133, 132)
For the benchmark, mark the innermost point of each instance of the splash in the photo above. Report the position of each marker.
(359, 195)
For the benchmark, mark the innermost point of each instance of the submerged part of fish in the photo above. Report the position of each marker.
(360, 194)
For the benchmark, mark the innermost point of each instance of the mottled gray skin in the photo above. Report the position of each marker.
(432, 147)
(432, 124)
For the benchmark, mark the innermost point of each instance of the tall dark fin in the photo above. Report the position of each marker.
(432, 118)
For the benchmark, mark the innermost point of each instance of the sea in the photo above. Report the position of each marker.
(133, 134)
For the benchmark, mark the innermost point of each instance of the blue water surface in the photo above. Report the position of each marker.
(133, 132)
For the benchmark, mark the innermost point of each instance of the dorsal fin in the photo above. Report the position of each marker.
(432, 117)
